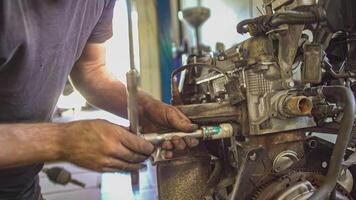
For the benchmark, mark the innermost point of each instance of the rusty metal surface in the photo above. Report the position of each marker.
(279, 138)
(215, 112)
(279, 142)
(184, 178)
(299, 105)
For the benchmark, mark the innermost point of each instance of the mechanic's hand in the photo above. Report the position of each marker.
(102, 146)
(156, 115)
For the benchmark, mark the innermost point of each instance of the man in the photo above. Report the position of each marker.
(41, 43)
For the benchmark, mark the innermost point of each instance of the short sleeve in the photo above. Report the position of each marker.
(103, 29)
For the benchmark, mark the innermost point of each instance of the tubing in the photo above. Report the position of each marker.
(294, 17)
(345, 96)
(268, 22)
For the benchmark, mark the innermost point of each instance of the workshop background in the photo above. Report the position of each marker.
(161, 37)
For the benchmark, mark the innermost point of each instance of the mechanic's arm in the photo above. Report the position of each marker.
(22, 144)
(93, 144)
(91, 77)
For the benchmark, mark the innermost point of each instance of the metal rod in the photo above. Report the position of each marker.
(132, 78)
(132, 90)
(131, 43)
(132, 104)
(197, 38)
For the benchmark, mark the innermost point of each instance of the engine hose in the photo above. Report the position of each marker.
(241, 27)
(345, 97)
(294, 17)
(268, 22)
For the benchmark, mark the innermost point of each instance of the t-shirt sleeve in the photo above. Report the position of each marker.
(103, 29)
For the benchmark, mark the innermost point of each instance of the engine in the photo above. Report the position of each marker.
(292, 78)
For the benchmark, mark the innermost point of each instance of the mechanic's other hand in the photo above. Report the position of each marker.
(102, 146)
(157, 116)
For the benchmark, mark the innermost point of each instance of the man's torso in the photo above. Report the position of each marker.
(40, 40)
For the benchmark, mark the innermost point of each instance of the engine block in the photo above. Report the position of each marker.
(294, 76)
(249, 74)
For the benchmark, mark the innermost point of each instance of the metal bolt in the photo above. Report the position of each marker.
(313, 144)
(324, 164)
(291, 84)
(253, 157)
(221, 57)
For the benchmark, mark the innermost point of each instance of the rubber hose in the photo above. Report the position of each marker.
(345, 97)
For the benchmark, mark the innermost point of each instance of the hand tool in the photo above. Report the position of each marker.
(216, 132)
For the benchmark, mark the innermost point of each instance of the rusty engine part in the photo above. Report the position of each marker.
(292, 77)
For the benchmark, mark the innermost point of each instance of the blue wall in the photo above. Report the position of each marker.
(165, 44)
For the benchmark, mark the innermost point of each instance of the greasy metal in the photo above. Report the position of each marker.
(288, 40)
(184, 178)
(254, 160)
(212, 112)
(346, 180)
(311, 72)
(299, 105)
(285, 160)
(302, 191)
(262, 92)
(279, 142)
(351, 160)
(220, 131)
(285, 186)
(238, 181)
(271, 72)
(296, 185)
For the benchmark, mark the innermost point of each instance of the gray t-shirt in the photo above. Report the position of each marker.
(40, 40)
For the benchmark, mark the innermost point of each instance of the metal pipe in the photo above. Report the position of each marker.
(132, 101)
(298, 106)
(132, 90)
(238, 182)
(131, 43)
(344, 96)
(132, 78)
(197, 39)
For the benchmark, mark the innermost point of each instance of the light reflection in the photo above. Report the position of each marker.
(118, 185)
